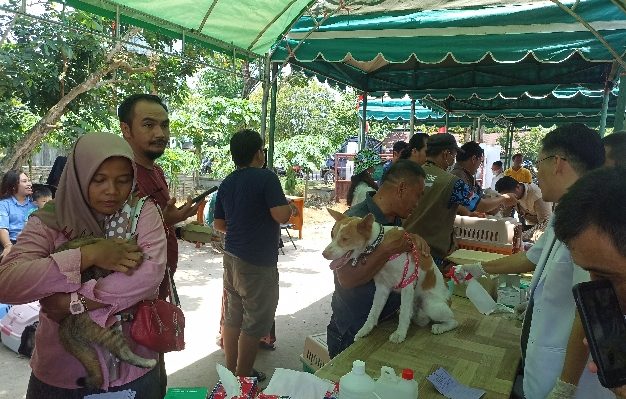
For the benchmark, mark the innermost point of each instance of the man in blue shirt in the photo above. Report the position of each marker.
(250, 206)
(398, 194)
(15, 206)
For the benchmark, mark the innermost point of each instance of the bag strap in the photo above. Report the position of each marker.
(173, 294)
(135, 213)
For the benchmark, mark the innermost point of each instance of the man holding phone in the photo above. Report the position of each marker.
(591, 220)
(553, 355)
(145, 125)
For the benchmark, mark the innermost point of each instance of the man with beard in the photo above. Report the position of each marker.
(145, 125)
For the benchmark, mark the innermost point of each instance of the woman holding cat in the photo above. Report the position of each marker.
(94, 189)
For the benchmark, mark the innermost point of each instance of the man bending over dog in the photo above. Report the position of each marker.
(399, 193)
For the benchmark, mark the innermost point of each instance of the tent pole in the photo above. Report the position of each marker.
(412, 131)
(509, 146)
(363, 123)
(266, 95)
(447, 120)
(620, 109)
(479, 125)
(270, 148)
(605, 106)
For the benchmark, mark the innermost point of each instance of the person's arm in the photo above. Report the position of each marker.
(31, 272)
(219, 225)
(120, 290)
(576, 355)
(393, 243)
(489, 204)
(512, 264)
(281, 214)
(5, 241)
(543, 210)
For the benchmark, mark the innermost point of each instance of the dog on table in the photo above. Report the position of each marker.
(423, 293)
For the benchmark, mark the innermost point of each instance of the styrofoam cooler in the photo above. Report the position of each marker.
(13, 323)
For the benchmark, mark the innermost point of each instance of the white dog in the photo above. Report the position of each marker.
(422, 289)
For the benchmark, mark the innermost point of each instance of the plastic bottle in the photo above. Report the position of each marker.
(477, 294)
(356, 384)
(390, 386)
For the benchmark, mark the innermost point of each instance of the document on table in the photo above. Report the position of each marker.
(451, 388)
(126, 394)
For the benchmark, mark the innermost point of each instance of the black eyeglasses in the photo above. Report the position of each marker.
(548, 157)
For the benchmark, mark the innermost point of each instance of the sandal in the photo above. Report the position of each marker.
(260, 376)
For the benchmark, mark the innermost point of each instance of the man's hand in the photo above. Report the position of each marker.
(6, 250)
(173, 215)
(56, 306)
(475, 269)
(509, 200)
(396, 243)
(114, 254)
(619, 391)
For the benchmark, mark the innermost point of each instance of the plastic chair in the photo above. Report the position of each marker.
(286, 227)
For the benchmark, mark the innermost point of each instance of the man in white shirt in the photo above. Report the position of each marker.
(552, 350)
(531, 205)
(498, 173)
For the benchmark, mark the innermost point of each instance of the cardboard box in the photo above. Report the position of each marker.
(315, 354)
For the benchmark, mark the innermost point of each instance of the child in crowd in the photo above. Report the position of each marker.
(41, 196)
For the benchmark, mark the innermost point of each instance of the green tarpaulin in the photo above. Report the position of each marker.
(246, 27)
(508, 49)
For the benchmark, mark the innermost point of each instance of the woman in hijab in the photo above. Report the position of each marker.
(93, 199)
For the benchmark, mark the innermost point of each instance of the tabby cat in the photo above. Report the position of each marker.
(78, 332)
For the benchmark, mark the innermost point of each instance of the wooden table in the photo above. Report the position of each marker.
(482, 352)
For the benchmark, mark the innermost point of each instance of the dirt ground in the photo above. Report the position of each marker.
(306, 285)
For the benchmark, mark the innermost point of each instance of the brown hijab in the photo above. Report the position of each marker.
(70, 212)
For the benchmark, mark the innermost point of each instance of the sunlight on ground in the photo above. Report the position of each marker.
(304, 279)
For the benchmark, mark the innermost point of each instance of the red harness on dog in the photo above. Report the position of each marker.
(410, 279)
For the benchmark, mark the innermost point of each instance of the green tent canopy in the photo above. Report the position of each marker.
(245, 28)
(469, 51)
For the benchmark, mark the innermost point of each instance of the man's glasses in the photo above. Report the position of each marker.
(548, 157)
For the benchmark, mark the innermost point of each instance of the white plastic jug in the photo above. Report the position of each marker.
(356, 384)
(390, 386)
(477, 294)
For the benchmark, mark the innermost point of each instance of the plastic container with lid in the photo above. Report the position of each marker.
(391, 386)
(356, 384)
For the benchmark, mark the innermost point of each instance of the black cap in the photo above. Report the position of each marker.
(444, 141)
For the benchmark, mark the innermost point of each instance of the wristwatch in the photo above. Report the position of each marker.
(76, 305)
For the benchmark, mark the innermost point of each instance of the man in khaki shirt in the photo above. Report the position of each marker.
(532, 207)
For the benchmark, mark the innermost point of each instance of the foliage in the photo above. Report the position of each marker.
(210, 123)
(176, 161)
(42, 62)
(527, 142)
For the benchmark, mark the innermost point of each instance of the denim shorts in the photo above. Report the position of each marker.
(251, 296)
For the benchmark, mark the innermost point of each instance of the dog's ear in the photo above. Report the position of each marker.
(365, 225)
(336, 215)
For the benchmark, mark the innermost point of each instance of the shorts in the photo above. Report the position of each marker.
(252, 296)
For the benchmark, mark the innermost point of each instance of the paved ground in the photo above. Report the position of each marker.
(304, 309)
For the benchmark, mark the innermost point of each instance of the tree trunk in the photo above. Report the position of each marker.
(28, 143)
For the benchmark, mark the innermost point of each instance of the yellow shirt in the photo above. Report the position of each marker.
(522, 175)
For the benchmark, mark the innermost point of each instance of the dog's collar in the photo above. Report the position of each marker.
(370, 248)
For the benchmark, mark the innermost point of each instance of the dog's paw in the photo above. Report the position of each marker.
(444, 327)
(397, 337)
(366, 329)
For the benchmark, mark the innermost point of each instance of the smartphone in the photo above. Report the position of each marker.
(605, 328)
(202, 196)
